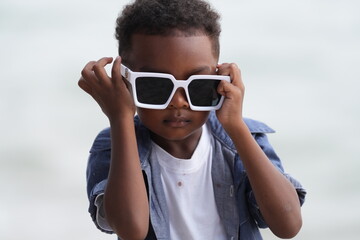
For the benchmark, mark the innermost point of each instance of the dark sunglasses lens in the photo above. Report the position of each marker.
(153, 90)
(203, 92)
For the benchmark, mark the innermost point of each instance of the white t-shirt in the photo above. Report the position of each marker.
(189, 192)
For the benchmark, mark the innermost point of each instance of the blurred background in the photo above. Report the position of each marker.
(299, 61)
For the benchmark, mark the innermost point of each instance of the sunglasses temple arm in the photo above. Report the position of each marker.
(125, 72)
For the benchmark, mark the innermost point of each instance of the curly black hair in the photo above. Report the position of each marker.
(162, 17)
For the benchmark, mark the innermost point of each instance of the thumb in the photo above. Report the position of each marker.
(116, 71)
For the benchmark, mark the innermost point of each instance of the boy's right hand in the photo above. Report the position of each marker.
(111, 93)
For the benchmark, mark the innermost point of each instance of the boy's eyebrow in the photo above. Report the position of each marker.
(198, 70)
(202, 69)
(149, 69)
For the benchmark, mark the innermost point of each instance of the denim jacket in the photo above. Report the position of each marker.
(234, 198)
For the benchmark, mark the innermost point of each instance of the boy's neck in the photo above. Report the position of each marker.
(183, 148)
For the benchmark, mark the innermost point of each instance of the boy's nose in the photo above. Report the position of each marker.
(179, 100)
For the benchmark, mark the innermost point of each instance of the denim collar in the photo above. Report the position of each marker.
(144, 141)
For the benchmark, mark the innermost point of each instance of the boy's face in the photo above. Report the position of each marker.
(182, 57)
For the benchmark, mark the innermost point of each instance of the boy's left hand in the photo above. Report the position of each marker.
(233, 92)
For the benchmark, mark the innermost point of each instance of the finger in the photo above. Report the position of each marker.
(87, 71)
(224, 88)
(88, 76)
(115, 71)
(85, 86)
(235, 75)
(223, 68)
(232, 70)
(99, 69)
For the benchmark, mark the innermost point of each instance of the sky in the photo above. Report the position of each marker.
(299, 61)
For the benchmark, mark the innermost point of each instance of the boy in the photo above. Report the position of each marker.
(188, 166)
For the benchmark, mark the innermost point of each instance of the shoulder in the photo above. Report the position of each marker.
(255, 127)
(102, 141)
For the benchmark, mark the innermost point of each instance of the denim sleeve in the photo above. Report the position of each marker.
(97, 174)
(263, 142)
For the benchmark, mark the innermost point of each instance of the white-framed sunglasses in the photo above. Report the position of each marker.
(155, 90)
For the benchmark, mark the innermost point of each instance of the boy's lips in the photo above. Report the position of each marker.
(176, 121)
